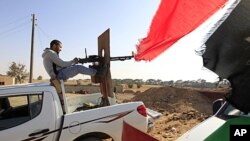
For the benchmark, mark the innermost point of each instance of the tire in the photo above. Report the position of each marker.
(91, 139)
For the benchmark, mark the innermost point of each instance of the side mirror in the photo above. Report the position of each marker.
(216, 105)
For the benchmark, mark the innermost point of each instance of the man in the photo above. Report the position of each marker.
(63, 70)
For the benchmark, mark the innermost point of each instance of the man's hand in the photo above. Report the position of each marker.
(76, 60)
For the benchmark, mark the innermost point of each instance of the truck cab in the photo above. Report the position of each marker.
(29, 112)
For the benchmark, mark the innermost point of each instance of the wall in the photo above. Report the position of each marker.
(6, 80)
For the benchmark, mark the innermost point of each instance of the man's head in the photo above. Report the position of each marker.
(56, 45)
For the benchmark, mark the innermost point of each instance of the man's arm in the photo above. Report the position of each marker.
(59, 62)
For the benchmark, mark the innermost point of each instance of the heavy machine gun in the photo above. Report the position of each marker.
(96, 58)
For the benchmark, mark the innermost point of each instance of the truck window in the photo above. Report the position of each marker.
(15, 110)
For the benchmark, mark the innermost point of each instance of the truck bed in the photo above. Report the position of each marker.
(79, 102)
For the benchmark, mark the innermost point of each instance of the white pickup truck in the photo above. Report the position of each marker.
(33, 112)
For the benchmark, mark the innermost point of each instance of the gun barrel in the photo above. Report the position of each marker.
(93, 58)
(121, 58)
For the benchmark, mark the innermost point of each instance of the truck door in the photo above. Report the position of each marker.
(26, 117)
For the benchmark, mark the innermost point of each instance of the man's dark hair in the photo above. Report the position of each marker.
(54, 42)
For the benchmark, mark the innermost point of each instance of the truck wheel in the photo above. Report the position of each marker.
(91, 139)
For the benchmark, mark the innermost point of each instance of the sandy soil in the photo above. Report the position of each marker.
(181, 108)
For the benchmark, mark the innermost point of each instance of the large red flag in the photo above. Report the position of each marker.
(173, 20)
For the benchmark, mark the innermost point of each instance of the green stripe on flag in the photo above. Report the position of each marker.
(223, 133)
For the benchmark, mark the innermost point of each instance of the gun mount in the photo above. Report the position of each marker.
(102, 58)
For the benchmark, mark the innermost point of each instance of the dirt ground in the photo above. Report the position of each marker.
(181, 108)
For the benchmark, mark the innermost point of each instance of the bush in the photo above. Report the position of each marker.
(138, 85)
(130, 85)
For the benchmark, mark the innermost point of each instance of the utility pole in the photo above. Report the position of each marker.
(32, 48)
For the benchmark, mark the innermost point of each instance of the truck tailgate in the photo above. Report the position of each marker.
(152, 116)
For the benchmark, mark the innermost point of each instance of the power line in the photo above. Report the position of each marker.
(40, 33)
(14, 28)
(45, 34)
(40, 39)
(14, 22)
(20, 29)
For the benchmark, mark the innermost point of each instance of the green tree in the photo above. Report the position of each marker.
(138, 85)
(130, 85)
(39, 77)
(18, 71)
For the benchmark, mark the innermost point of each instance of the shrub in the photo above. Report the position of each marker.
(138, 85)
(130, 85)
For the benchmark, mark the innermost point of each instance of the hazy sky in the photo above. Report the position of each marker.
(78, 23)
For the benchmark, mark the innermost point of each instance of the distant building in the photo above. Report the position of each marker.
(6, 80)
